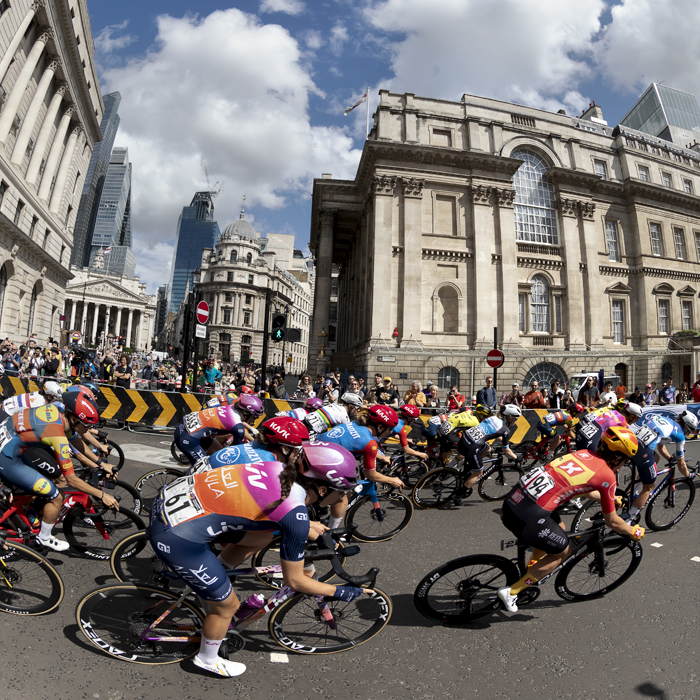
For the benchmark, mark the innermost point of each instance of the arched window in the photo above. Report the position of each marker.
(447, 377)
(249, 258)
(32, 309)
(534, 206)
(234, 255)
(544, 374)
(448, 309)
(539, 305)
(666, 371)
(3, 289)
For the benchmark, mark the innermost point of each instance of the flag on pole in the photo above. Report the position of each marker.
(357, 104)
(107, 249)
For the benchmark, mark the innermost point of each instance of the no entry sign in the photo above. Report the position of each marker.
(202, 312)
(494, 358)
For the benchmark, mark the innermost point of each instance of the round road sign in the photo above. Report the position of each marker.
(202, 312)
(495, 358)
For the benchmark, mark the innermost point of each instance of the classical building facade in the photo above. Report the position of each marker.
(50, 111)
(578, 242)
(104, 307)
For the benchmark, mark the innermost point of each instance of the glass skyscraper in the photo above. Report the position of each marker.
(196, 230)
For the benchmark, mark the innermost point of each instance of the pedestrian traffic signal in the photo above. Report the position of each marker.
(279, 327)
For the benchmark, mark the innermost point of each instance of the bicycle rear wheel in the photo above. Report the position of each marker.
(670, 505)
(377, 524)
(114, 617)
(84, 530)
(126, 494)
(178, 456)
(529, 449)
(299, 625)
(464, 589)
(29, 584)
(436, 488)
(588, 576)
(118, 451)
(498, 481)
(150, 484)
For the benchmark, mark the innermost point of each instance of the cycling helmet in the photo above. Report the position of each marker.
(79, 389)
(577, 408)
(621, 441)
(314, 403)
(484, 411)
(285, 431)
(629, 407)
(246, 390)
(92, 386)
(82, 407)
(331, 464)
(52, 388)
(382, 415)
(251, 404)
(689, 420)
(509, 409)
(229, 397)
(352, 399)
(409, 412)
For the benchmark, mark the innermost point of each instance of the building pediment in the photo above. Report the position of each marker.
(663, 288)
(687, 291)
(104, 289)
(618, 288)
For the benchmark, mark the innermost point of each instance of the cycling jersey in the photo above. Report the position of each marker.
(298, 413)
(21, 402)
(252, 453)
(644, 459)
(665, 429)
(457, 421)
(473, 442)
(200, 425)
(588, 435)
(400, 430)
(548, 424)
(356, 439)
(326, 418)
(229, 398)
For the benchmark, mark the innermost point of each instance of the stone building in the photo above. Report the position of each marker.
(580, 243)
(50, 111)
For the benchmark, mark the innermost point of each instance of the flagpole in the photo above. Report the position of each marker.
(368, 110)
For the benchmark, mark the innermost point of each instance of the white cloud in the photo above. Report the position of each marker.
(153, 263)
(313, 39)
(290, 7)
(339, 35)
(106, 43)
(233, 91)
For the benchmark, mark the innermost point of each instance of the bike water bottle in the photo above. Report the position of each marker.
(249, 606)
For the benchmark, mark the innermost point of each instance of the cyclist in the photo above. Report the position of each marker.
(250, 502)
(473, 444)
(446, 429)
(407, 414)
(547, 427)
(227, 398)
(593, 424)
(528, 510)
(47, 425)
(19, 403)
(332, 414)
(311, 405)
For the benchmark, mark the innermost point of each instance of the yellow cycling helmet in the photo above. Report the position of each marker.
(483, 411)
(620, 440)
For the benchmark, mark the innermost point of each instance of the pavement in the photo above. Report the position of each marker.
(641, 641)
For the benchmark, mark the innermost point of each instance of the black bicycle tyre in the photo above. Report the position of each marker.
(179, 457)
(415, 469)
(436, 488)
(133, 560)
(566, 583)
(374, 605)
(490, 480)
(396, 509)
(659, 504)
(84, 537)
(103, 603)
(151, 483)
(445, 594)
(21, 570)
(119, 452)
(526, 446)
(126, 494)
(592, 511)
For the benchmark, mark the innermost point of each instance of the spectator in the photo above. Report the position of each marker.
(415, 396)
(454, 400)
(588, 395)
(534, 398)
(637, 397)
(486, 396)
(123, 372)
(655, 391)
(354, 388)
(372, 395)
(305, 390)
(431, 395)
(388, 396)
(11, 359)
(277, 389)
(621, 391)
(211, 373)
(514, 396)
(649, 396)
(554, 396)
(318, 386)
(52, 366)
(108, 367)
(363, 388)
(331, 391)
(695, 391)
(148, 371)
(683, 395)
(567, 400)
(667, 395)
(608, 397)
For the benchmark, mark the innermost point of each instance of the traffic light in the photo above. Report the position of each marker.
(279, 327)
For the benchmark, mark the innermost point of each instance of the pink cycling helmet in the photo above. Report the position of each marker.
(251, 404)
(409, 411)
(332, 464)
(313, 403)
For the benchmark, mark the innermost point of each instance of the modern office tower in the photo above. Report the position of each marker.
(161, 315)
(196, 230)
(111, 237)
(667, 113)
(94, 181)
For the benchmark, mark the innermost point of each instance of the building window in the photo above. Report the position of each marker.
(545, 374)
(248, 299)
(334, 286)
(227, 316)
(249, 258)
(539, 305)
(557, 314)
(613, 242)
(60, 258)
(535, 215)
(229, 276)
(442, 137)
(663, 315)
(688, 186)
(656, 243)
(333, 311)
(643, 173)
(18, 212)
(697, 244)
(679, 240)
(68, 213)
(246, 318)
(666, 179)
(687, 308)
(618, 320)
(246, 341)
(3, 188)
(251, 279)
(521, 313)
(225, 346)
(448, 377)
(32, 309)
(445, 215)
(47, 233)
(3, 289)
(234, 255)
(229, 296)
(32, 228)
(601, 168)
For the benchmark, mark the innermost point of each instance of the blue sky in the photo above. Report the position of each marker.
(257, 88)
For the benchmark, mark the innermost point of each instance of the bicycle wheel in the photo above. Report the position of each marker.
(436, 488)
(29, 584)
(415, 468)
(498, 481)
(529, 449)
(270, 556)
(562, 449)
(377, 524)
(126, 494)
(119, 452)
(464, 589)
(299, 625)
(84, 531)
(178, 456)
(670, 504)
(591, 512)
(114, 617)
(586, 577)
(150, 484)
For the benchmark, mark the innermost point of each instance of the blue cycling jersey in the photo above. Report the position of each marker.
(664, 429)
(356, 439)
(248, 453)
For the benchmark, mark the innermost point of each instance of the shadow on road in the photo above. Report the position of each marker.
(72, 634)
(649, 690)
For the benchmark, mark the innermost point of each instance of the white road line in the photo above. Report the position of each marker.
(694, 558)
(151, 455)
(279, 658)
(656, 544)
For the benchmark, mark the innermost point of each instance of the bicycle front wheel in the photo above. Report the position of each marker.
(377, 523)
(96, 534)
(299, 623)
(464, 589)
(114, 618)
(498, 481)
(118, 451)
(593, 574)
(530, 452)
(670, 505)
(178, 456)
(436, 488)
(29, 584)
(126, 494)
(409, 471)
(151, 483)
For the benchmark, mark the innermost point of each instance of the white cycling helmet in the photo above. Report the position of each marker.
(52, 388)
(512, 410)
(635, 409)
(690, 420)
(352, 399)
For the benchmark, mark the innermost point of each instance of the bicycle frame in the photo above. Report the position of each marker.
(366, 488)
(669, 479)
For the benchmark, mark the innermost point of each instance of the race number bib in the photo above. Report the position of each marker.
(588, 430)
(645, 435)
(537, 482)
(192, 422)
(5, 437)
(180, 502)
(476, 433)
(213, 403)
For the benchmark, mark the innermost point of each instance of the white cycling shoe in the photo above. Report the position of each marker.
(221, 667)
(54, 543)
(509, 601)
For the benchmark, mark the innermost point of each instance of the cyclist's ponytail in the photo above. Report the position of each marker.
(288, 477)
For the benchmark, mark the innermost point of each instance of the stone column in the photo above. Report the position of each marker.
(108, 309)
(73, 309)
(128, 328)
(484, 246)
(83, 319)
(54, 153)
(94, 322)
(411, 268)
(508, 303)
(591, 277)
(15, 99)
(137, 331)
(33, 112)
(44, 133)
(63, 170)
(17, 38)
(118, 327)
(322, 294)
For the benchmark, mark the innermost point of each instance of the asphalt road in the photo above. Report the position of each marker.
(640, 641)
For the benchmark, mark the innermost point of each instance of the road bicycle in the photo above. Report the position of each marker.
(126, 494)
(534, 451)
(407, 468)
(150, 625)
(667, 505)
(466, 589)
(151, 483)
(376, 516)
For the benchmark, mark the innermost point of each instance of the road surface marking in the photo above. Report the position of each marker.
(151, 455)
(694, 558)
(279, 658)
(656, 544)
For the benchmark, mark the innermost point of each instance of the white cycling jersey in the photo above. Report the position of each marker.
(21, 402)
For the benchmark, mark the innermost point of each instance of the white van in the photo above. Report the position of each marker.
(578, 380)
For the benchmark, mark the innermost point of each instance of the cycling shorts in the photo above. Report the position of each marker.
(17, 473)
(472, 452)
(645, 462)
(547, 430)
(533, 524)
(190, 446)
